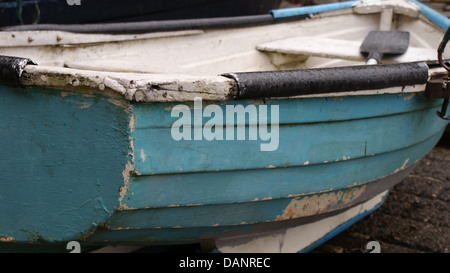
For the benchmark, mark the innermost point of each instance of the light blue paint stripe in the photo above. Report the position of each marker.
(341, 228)
(290, 12)
(435, 17)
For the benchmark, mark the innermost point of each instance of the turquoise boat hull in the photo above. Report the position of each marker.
(97, 170)
(96, 157)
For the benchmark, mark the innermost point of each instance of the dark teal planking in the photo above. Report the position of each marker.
(180, 224)
(237, 198)
(295, 111)
(204, 188)
(61, 161)
(63, 155)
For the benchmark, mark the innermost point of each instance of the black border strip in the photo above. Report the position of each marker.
(253, 85)
(11, 68)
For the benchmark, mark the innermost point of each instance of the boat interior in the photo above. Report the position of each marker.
(329, 39)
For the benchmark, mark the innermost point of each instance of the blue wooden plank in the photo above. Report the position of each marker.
(157, 152)
(295, 111)
(61, 160)
(184, 223)
(263, 184)
(266, 184)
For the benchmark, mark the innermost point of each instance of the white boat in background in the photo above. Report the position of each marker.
(90, 112)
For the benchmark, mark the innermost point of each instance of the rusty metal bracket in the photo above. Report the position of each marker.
(440, 88)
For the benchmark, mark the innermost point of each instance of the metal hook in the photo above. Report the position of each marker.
(443, 111)
(441, 48)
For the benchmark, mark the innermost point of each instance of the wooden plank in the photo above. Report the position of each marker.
(138, 87)
(61, 38)
(303, 139)
(337, 48)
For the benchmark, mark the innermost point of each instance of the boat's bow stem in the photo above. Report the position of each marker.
(440, 88)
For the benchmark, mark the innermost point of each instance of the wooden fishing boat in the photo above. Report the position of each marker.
(259, 134)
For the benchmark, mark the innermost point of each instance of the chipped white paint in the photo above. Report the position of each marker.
(133, 86)
(293, 239)
(397, 6)
(61, 38)
(143, 156)
(181, 65)
(403, 166)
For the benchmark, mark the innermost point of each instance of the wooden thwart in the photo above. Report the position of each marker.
(336, 48)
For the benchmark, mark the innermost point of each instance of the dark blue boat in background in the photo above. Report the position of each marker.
(15, 12)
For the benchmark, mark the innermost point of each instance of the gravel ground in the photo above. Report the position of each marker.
(415, 217)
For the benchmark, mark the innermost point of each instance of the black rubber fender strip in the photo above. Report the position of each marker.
(11, 68)
(253, 85)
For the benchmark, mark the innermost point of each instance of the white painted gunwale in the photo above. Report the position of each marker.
(101, 65)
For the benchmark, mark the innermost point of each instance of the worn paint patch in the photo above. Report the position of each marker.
(142, 155)
(410, 96)
(133, 86)
(84, 105)
(319, 203)
(7, 239)
(126, 173)
(403, 166)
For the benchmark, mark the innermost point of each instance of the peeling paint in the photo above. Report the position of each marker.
(403, 166)
(7, 239)
(319, 203)
(83, 105)
(133, 86)
(412, 95)
(306, 163)
(126, 173)
(131, 122)
(143, 155)
(118, 102)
